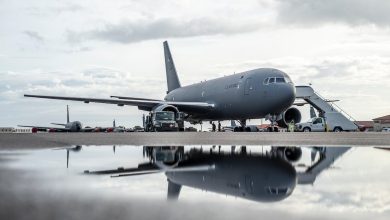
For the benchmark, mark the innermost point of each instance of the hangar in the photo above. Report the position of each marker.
(381, 122)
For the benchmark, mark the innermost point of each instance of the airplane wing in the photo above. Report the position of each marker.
(148, 168)
(141, 103)
(133, 98)
(40, 128)
(145, 168)
(58, 124)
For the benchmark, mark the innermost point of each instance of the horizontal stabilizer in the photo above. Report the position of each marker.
(42, 128)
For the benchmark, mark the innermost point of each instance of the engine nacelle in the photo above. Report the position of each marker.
(167, 157)
(291, 114)
(291, 154)
(165, 107)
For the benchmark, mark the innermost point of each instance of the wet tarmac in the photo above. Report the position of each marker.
(195, 182)
(47, 140)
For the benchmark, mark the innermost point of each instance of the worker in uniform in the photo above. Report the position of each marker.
(291, 126)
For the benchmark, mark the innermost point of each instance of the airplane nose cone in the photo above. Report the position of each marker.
(287, 95)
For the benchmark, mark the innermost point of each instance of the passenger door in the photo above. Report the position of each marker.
(248, 86)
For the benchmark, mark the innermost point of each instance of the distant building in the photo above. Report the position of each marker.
(15, 130)
(365, 125)
(6, 130)
(381, 122)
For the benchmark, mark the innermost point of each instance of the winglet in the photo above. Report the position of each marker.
(172, 78)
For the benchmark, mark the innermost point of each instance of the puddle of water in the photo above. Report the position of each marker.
(347, 182)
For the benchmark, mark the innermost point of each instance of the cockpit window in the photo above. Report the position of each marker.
(270, 80)
(280, 80)
(277, 190)
(288, 80)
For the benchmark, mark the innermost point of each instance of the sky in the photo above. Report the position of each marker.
(102, 48)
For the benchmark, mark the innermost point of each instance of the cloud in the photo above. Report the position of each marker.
(34, 35)
(136, 31)
(68, 8)
(351, 12)
(93, 82)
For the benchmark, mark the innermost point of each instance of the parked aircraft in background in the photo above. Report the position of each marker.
(258, 93)
(69, 126)
(114, 128)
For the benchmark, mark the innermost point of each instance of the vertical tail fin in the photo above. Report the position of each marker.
(67, 113)
(172, 78)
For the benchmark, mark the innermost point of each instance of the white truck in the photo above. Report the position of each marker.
(331, 122)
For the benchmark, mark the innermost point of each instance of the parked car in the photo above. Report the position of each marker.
(385, 129)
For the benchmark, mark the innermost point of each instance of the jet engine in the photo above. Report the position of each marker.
(165, 107)
(291, 154)
(167, 157)
(288, 116)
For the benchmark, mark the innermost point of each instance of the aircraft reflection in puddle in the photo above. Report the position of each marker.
(259, 176)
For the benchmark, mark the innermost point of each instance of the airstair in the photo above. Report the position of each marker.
(326, 108)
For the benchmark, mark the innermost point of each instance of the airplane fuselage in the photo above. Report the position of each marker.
(257, 178)
(243, 95)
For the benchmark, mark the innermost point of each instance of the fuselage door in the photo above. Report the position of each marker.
(248, 86)
(249, 184)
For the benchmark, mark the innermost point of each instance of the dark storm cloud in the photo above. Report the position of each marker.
(352, 12)
(135, 31)
(34, 35)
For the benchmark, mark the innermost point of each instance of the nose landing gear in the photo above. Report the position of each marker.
(273, 126)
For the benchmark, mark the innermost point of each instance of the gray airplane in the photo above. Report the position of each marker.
(259, 93)
(69, 126)
(254, 176)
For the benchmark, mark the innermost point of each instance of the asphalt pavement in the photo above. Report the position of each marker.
(47, 140)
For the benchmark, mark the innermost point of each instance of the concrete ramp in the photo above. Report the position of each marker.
(333, 114)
